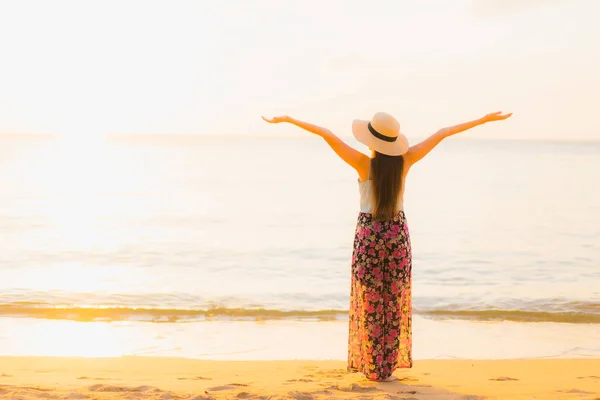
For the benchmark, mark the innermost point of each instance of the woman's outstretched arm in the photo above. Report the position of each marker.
(418, 151)
(353, 157)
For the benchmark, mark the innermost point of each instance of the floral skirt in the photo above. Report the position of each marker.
(380, 337)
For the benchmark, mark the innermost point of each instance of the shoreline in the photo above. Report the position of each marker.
(290, 340)
(182, 378)
(159, 315)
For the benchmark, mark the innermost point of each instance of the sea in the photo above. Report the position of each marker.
(239, 247)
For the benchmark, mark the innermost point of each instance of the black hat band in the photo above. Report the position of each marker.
(380, 136)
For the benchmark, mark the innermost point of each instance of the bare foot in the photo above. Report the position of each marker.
(388, 379)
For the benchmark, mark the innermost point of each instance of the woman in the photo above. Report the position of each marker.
(380, 334)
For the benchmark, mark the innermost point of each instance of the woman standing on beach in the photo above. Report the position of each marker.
(380, 332)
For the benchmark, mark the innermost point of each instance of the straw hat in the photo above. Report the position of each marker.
(381, 134)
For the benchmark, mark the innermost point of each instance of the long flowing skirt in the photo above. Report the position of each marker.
(380, 332)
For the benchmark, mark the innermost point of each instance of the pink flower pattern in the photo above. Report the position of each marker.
(380, 319)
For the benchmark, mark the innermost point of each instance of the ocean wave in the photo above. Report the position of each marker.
(587, 313)
(109, 313)
(516, 316)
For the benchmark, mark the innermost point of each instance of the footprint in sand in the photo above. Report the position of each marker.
(407, 379)
(575, 391)
(301, 396)
(407, 392)
(5, 376)
(230, 386)
(355, 388)
(196, 378)
(589, 377)
(503, 379)
(39, 389)
(93, 379)
(299, 380)
(169, 396)
(332, 373)
(77, 396)
(110, 388)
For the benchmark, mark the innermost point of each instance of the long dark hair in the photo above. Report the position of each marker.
(386, 173)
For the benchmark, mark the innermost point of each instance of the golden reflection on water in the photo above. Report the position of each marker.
(98, 201)
(84, 187)
(73, 339)
(80, 175)
(91, 183)
(73, 277)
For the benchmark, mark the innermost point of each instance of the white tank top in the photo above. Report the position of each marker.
(367, 197)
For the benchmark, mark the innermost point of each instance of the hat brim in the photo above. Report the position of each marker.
(360, 130)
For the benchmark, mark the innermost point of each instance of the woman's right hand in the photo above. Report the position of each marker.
(276, 120)
(496, 116)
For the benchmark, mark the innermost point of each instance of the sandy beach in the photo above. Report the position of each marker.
(179, 378)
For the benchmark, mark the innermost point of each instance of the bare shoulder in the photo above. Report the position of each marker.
(363, 167)
(408, 161)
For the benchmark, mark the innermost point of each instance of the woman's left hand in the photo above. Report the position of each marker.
(276, 120)
(496, 116)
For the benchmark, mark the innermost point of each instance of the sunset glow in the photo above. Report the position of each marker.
(94, 68)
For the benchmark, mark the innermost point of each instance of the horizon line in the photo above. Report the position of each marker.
(279, 136)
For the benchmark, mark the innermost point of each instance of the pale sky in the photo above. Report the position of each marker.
(214, 67)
